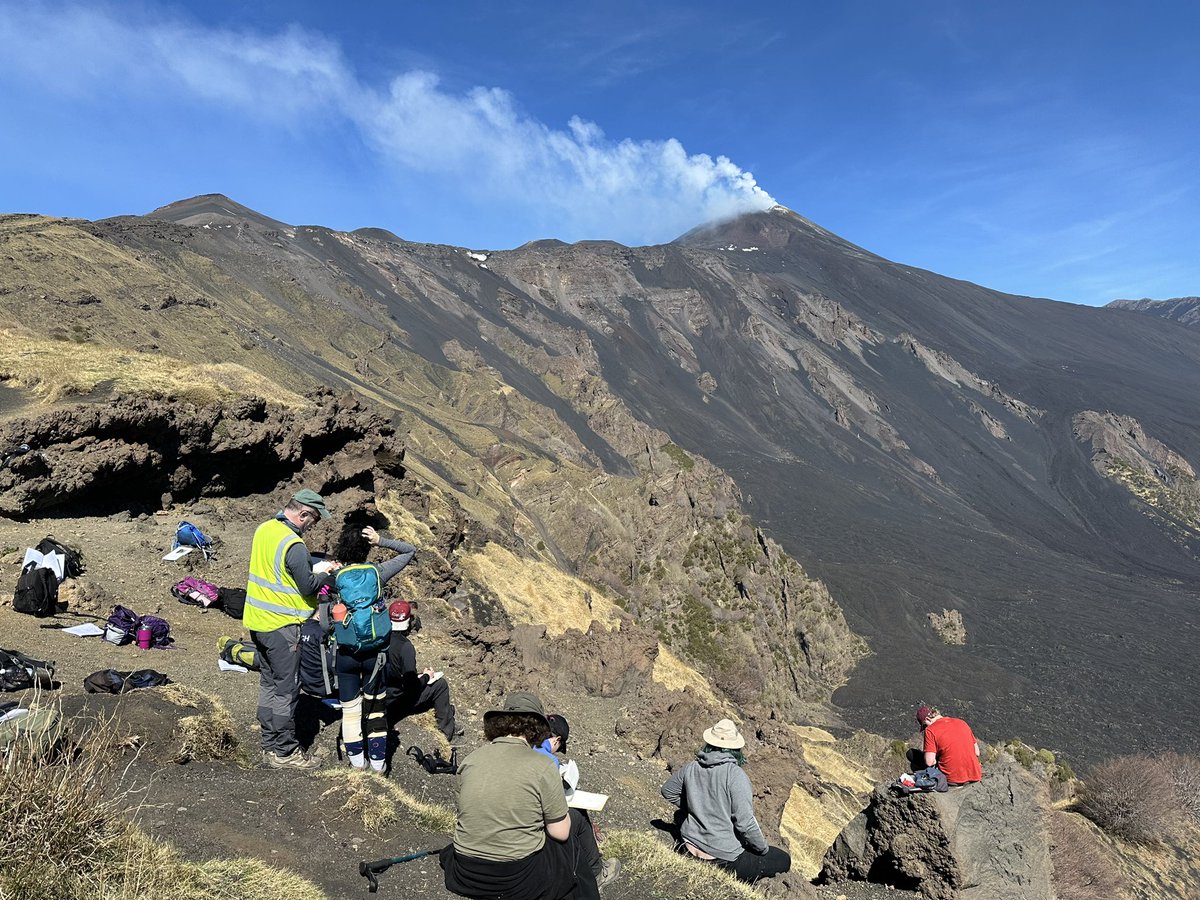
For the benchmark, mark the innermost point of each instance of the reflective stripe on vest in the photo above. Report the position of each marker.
(272, 597)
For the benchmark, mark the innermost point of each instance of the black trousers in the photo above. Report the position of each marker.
(751, 867)
(434, 696)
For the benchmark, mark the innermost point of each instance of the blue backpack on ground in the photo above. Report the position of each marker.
(366, 625)
(188, 535)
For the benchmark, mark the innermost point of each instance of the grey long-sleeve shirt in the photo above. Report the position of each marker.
(717, 797)
(298, 563)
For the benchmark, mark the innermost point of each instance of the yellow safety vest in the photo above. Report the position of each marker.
(272, 598)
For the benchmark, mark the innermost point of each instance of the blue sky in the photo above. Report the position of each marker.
(1048, 149)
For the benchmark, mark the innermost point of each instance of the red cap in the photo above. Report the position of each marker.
(922, 714)
(400, 611)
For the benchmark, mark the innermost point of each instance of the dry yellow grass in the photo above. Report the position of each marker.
(676, 675)
(147, 868)
(404, 524)
(210, 734)
(654, 862)
(809, 824)
(834, 768)
(812, 733)
(532, 591)
(65, 835)
(379, 801)
(54, 370)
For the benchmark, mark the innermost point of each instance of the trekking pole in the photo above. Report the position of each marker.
(369, 870)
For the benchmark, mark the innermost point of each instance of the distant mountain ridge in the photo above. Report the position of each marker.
(1185, 310)
(919, 443)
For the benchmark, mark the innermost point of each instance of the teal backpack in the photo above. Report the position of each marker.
(366, 625)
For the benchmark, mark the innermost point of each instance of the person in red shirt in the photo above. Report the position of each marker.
(951, 746)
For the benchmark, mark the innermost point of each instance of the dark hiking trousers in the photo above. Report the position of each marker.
(587, 856)
(751, 867)
(434, 696)
(278, 687)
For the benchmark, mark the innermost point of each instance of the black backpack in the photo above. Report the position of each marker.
(19, 672)
(110, 681)
(72, 558)
(318, 659)
(37, 591)
(232, 600)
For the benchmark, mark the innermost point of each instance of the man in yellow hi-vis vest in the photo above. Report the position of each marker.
(281, 592)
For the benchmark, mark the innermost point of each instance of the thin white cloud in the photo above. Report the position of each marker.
(574, 176)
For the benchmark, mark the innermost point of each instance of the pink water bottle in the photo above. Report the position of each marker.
(144, 637)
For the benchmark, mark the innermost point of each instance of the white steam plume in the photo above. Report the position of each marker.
(575, 177)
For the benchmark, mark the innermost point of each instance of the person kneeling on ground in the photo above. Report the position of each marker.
(716, 796)
(410, 692)
(605, 871)
(514, 836)
(950, 746)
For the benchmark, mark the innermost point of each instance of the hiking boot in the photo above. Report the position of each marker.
(456, 732)
(294, 760)
(608, 872)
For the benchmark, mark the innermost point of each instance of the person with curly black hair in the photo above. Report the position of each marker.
(514, 836)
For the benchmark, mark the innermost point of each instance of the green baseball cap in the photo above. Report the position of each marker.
(312, 498)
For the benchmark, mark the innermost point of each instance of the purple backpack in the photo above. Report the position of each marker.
(124, 623)
(195, 592)
(121, 625)
(160, 630)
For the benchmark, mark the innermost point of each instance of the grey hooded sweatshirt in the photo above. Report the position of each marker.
(716, 795)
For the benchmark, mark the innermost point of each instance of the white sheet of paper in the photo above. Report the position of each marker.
(87, 629)
(570, 773)
(178, 553)
(55, 562)
(321, 567)
(587, 800)
(14, 714)
(230, 667)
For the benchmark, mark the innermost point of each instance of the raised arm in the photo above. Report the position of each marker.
(404, 553)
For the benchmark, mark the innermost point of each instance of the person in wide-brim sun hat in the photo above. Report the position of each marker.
(725, 735)
(715, 794)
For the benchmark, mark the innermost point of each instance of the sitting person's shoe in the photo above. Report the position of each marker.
(456, 732)
(608, 872)
(294, 760)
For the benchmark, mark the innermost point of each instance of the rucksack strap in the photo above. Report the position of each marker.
(329, 679)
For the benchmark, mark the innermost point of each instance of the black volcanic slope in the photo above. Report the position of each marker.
(906, 436)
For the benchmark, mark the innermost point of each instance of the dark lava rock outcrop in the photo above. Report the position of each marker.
(981, 842)
(136, 453)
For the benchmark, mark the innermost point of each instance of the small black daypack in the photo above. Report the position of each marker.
(232, 600)
(318, 660)
(36, 592)
(18, 671)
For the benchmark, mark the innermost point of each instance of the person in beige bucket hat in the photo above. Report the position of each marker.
(715, 797)
(724, 735)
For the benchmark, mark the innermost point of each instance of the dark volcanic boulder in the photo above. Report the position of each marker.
(982, 842)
